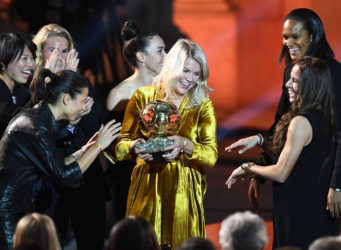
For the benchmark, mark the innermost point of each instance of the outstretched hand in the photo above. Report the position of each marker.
(108, 133)
(246, 143)
(234, 176)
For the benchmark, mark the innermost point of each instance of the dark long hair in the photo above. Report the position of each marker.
(319, 47)
(49, 87)
(314, 91)
(135, 40)
(133, 232)
(12, 47)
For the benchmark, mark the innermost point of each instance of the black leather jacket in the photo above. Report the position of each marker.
(27, 154)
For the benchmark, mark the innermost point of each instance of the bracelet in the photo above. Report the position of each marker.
(246, 167)
(260, 140)
(98, 146)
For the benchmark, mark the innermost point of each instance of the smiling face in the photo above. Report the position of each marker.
(75, 105)
(189, 77)
(295, 38)
(56, 43)
(155, 55)
(293, 82)
(21, 69)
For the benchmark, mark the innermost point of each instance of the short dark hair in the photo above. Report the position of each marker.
(65, 81)
(135, 40)
(12, 46)
(319, 47)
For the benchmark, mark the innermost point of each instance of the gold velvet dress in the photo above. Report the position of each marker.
(170, 194)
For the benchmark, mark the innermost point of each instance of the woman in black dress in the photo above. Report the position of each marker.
(303, 146)
(28, 148)
(144, 51)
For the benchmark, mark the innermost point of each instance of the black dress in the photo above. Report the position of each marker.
(284, 106)
(300, 214)
(27, 155)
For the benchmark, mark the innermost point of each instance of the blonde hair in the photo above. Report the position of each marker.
(41, 37)
(173, 67)
(38, 229)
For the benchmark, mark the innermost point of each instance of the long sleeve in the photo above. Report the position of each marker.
(130, 126)
(205, 150)
(47, 160)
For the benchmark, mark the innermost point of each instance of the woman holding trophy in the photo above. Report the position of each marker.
(170, 193)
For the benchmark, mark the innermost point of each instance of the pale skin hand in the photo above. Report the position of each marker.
(105, 136)
(246, 143)
(334, 203)
(52, 62)
(298, 136)
(108, 133)
(178, 145)
(140, 152)
(89, 102)
(72, 60)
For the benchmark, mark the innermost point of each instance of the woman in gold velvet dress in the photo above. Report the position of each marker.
(170, 194)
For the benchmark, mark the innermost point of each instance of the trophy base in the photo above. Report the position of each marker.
(156, 147)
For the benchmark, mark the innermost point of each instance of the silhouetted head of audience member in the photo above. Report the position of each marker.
(134, 233)
(326, 243)
(196, 243)
(243, 231)
(36, 230)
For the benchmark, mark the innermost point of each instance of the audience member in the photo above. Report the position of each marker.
(243, 231)
(38, 231)
(133, 233)
(196, 243)
(326, 243)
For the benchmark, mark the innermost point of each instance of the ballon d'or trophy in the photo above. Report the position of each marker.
(158, 120)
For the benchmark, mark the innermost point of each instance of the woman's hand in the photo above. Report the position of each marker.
(89, 102)
(140, 152)
(72, 60)
(108, 133)
(246, 143)
(176, 148)
(55, 62)
(233, 177)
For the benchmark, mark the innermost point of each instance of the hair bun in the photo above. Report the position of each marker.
(129, 30)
